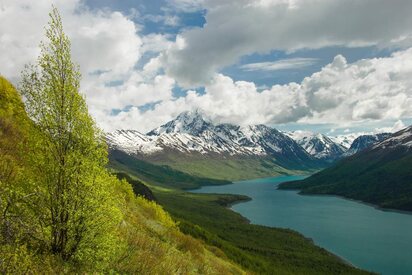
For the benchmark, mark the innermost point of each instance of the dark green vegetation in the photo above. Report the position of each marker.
(139, 188)
(260, 249)
(379, 176)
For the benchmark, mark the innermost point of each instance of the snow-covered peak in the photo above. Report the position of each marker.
(364, 141)
(132, 141)
(345, 140)
(190, 122)
(299, 134)
(191, 133)
(318, 145)
(400, 138)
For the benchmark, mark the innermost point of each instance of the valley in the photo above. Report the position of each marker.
(259, 249)
(361, 234)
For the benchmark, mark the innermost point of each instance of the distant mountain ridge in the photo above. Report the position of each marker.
(193, 144)
(380, 174)
(318, 145)
(365, 141)
(191, 139)
(190, 132)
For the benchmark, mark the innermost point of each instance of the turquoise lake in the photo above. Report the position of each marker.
(369, 238)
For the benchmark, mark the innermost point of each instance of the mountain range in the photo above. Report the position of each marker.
(193, 144)
(381, 174)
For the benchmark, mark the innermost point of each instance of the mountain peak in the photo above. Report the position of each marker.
(189, 122)
(400, 138)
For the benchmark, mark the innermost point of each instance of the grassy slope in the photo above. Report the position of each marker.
(383, 178)
(263, 250)
(229, 169)
(163, 175)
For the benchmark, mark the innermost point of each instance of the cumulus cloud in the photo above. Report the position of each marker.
(235, 28)
(339, 94)
(106, 44)
(283, 64)
(185, 5)
(102, 41)
(108, 47)
(397, 126)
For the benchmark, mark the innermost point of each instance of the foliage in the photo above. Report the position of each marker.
(155, 245)
(139, 188)
(75, 213)
(15, 185)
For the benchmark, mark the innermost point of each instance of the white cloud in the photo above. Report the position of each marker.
(155, 42)
(101, 40)
(106, 44)
(236, 28)
(185, 5)
(341, 94)
(397, 126)
(283, 64)
(109, 43)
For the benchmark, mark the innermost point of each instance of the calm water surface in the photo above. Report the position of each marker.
(367, 237)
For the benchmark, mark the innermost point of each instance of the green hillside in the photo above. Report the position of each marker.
(381, 176)
(161, 174)
(232, 169)
(261, 249)
(216, 167)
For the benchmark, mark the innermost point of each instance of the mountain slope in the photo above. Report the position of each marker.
(380, 174)
(364, 141)
(192, 144)
(318, 145)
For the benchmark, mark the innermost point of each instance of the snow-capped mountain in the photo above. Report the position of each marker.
(364, 141)
(318, 145)
(380, 174)
(191, 133)
(402, 138)
(345, 140)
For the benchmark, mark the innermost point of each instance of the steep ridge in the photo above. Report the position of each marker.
(380, 174)
(364, 141)
(318, 145)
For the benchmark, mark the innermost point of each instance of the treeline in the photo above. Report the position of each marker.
(61, 211)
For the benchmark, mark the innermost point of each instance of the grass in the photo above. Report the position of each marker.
(161, 175)
(228, 169)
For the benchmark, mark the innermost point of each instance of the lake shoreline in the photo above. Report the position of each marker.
(324, 227)
(375, 206)
(230, 204)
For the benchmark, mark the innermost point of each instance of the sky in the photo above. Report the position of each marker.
(335, 67)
